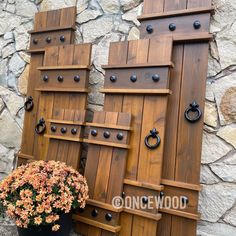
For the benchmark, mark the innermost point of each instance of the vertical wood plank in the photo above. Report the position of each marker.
(153, 6)
(199, 3)
(27, 143)
(68, 17)
(119, 157)
(160, 50)
(93, 159)
(117, 55)
(172, 5)
(182, 226)
(82, 54)
(190, 135)
(126, 222)
(104, 166)
(53, 18)
(143, 226)
(40, 21)
(93, 231)
(51, 56)
(134, 106)
(66, 54)
(164, 226)
(63, 148)
(150, 161)
(172, 114)
(44, 111)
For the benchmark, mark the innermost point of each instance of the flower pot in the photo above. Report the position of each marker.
(65, 223)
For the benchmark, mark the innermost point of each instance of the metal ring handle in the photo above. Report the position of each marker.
(193, 107)
(154, 135)
(40, 127)
(29, 104)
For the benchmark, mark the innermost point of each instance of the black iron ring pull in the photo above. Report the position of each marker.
(29, 104)
(193, 107)
(154, 135)
(40, 127)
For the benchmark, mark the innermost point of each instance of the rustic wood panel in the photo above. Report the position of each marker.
(53, 28)
(139, 168)
(182, 161)
(184, 25)
(43, 21)
(104, 181)
(66, 147)
(52, 103)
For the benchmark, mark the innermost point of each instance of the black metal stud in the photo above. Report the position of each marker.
(108, 217)
(172, 27)
(48, 40)
(156, 78)
(106, 134)
(94, 213)
(184, 200)
(35, 41)
(133, 78)
(149, 29)
(162, 194)
(45, 78)
(81, 210)
(60, 78)
(123, 195)
(113, 78)
(63, 130)
(94, 132)
(62, 38)
(53, 128)
(145, 200)
(77, 78)
(120, 136)
(197, 24)
(74, 131)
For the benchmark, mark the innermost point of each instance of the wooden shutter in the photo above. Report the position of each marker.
(188, 23)
(51, 25)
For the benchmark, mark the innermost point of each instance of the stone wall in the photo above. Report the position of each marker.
(103, 21)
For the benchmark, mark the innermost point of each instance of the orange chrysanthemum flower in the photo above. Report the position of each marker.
(37, 193)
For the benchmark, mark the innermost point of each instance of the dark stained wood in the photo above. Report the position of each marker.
(40, 21)
(153, 6)
(68, 17)
(53, 24)
(144, 78)
(168, 169)
(43, 20)
(140, 171)
(188, 159)
(54, 102)
(179, 12)
(53, 18)
(186, 59)
(184, 25)
(104, 181)
(27, 145)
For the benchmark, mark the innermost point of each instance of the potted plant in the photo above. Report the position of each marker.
(40, 197)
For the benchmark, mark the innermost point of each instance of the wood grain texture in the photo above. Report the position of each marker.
(142, 165)
(43, 20)
(104, 181)
(178, 129)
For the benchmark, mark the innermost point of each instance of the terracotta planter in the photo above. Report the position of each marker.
(65, 223)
